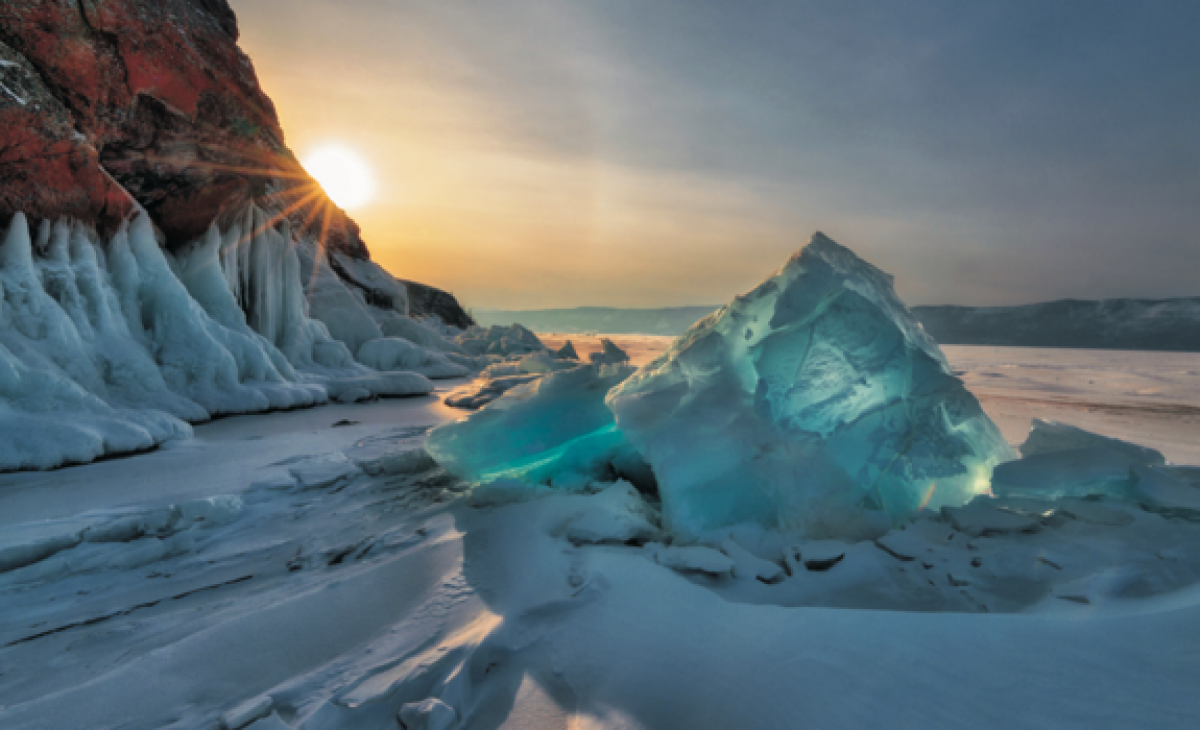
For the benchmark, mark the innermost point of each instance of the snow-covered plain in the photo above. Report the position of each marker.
(278, 567)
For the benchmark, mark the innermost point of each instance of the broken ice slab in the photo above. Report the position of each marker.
(1057, 474)
(1046, 437)
(815, 404)
(554, 431)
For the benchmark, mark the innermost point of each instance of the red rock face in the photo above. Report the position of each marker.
(110, 101)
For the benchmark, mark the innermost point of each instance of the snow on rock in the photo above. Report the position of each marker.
(555, 431)
(1047, 437)
(815, 404)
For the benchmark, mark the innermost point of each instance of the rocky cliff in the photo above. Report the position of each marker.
(109, 104)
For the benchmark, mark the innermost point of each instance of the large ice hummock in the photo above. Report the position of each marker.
(814, 404)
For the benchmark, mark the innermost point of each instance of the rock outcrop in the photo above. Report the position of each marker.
(106, 105)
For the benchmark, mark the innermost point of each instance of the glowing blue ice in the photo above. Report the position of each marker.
(554, 431)
(814, 404)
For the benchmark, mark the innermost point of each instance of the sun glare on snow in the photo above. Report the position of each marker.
(343, 175)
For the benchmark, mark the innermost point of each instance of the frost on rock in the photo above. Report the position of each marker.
(815, 404)
(554, 431)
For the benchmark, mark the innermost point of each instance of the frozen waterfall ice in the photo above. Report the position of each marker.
(814, 404)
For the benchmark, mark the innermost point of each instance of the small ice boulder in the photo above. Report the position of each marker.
(1046, 437)
(428, 714)
(815, 404)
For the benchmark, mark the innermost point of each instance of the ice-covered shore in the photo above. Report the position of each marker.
(111, 347)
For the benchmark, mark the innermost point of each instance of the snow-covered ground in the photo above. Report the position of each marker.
(335, 577)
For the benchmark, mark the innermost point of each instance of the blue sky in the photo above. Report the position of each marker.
(665, 153)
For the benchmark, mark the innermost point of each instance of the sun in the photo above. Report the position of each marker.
(343, 174)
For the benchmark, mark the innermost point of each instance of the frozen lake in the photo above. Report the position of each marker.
(275, 566)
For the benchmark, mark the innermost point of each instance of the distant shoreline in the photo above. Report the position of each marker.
(1167, 325)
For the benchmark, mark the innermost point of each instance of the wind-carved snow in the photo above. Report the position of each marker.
(109, 349)
(814, 404)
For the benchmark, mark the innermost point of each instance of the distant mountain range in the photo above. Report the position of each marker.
(1109, 324)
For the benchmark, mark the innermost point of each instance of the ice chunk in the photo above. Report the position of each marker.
(566, 352)
(1057, 474)
(407, 461)
(1051, 436)
(695, 558)
(749, 565)
(814, 404)
(617, 514)
(477, 396)
(252, 709)
(324, 472)
(428, 714)
(556, 430)
(819, 555)
(981, 518)
(498, 340)
(609, 353)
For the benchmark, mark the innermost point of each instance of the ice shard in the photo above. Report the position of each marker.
(814, 404)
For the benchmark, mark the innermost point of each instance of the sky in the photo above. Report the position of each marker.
(651, 153)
